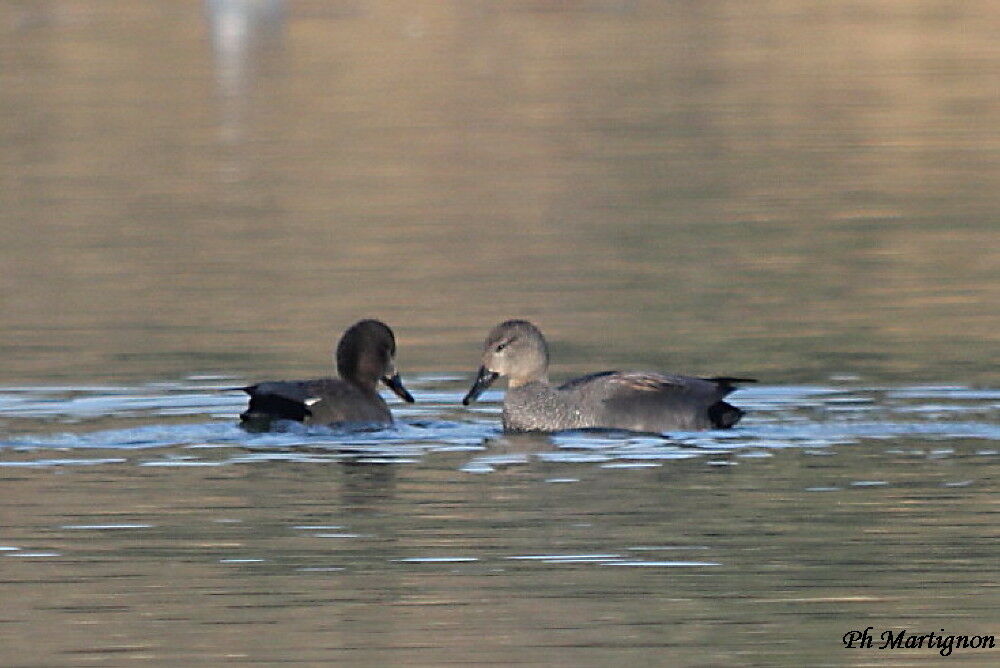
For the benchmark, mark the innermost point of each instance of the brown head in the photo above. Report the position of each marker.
(516, 349)
(366, 354)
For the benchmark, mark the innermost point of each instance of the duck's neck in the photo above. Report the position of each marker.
(366, 385)
(542, 380)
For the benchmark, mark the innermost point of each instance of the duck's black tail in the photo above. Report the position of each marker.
(266, 408)
(723, 415)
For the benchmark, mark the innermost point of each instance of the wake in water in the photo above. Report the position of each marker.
(197, 419)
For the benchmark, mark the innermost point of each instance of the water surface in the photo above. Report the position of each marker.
(149, 526)
(202, 195)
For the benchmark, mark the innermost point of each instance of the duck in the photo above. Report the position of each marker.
(642, 401)
(364, 356)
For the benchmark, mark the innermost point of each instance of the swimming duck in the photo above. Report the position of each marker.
(632, 400)
(364, 356)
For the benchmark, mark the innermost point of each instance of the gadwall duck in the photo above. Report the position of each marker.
(364, 357)
(633, 400)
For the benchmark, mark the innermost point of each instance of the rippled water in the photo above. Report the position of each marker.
(201, 195)
(150, 526)
(811, 418)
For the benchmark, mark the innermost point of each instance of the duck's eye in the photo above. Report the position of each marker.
(500, 346)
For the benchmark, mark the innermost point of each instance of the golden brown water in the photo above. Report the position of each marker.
(784, 189)
(200, 195)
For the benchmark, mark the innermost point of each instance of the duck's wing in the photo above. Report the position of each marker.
(650, 386)
(286, 399)
(295, 390)
(651, 401)
(584, 381)
(651, 381)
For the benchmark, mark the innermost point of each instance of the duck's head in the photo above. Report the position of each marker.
(515, 349)
(366, 354)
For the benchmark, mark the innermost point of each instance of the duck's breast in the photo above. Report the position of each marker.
(337, 401)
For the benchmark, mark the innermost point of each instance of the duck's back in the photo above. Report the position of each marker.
(321, 401)
(651, 401)
(633, 400)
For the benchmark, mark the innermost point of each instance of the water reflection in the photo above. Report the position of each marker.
(240, 29)
(199, 194)
(771, 189)
(369, 561)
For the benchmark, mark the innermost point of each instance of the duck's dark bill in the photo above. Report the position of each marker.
(484, 379)
(395, 383)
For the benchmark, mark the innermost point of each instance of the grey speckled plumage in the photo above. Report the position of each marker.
(633, 400)
(365, 355)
